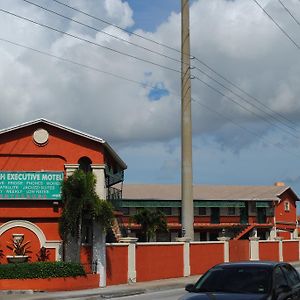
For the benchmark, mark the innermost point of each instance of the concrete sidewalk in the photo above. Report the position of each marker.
(105, 293)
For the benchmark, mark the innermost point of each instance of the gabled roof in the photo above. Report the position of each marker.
(204, 192)
(71, 130)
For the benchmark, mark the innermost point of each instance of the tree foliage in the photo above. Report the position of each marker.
(79, 199)
(151, 222)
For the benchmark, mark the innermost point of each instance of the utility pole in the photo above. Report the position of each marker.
(186, 127)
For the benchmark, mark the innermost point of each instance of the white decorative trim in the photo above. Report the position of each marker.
(98, 166)
(37, 231)
(26, 224)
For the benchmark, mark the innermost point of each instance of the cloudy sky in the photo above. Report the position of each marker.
(126, 89)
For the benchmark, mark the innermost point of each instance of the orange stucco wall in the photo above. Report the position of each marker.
(269, 251)
(159, 261)
(51, 284)
(19, 152)
(116, 264)
(205, 255)
(286, 216)
(290, 250)
(239, 250)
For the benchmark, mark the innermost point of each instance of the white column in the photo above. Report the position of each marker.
(186, 259)
(225, 239)
(131, 242)
(71, 168)
(254, 248)
(279, 239)
(99, 171)
(99, 252)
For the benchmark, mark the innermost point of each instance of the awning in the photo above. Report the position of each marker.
(220, 203)
(266, 204)
(177, 203)
(151, 203)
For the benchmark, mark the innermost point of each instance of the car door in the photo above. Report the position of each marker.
(281, 288)
(293, 280)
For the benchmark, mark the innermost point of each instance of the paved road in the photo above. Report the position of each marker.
(173, 294)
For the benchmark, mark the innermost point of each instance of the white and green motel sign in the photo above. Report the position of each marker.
(31, 185)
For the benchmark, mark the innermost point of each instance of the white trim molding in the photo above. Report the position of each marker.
(37, 231)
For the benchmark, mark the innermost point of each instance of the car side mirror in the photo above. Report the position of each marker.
(189, 287)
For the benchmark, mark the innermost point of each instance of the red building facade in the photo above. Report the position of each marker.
(34, 158)
(235, 211)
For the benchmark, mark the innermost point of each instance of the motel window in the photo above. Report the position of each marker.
(165, 210)
(125, 211)
(202, 211)
(252, 208)
(231, 211)
(286, 206)
(85, 164)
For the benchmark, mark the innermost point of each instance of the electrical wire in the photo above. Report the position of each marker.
(245, 100)
(245, 92)
(87, 41)
(282, 148)
(193, 57)
(91, 68)
(289, 12)
(244, 107)
(277, 25)
(144, 48)
(102, 31)
(116, 26)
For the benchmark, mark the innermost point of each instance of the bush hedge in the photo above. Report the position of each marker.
(40, 270)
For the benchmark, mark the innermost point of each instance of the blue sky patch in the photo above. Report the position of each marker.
(157, 92)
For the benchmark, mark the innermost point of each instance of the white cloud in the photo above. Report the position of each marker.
(234, 37)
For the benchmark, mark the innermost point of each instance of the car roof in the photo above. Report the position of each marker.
(241, 264)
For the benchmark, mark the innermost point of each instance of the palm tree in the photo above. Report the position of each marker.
(151, 222)
(81, 202)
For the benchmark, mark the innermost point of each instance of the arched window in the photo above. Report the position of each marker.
(85, 164)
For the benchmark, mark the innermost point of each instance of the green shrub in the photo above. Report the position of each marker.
(40, 270)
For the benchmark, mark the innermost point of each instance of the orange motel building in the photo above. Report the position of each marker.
(34, 158)
(239, 212)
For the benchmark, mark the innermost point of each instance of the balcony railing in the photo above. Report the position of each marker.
(114, 195)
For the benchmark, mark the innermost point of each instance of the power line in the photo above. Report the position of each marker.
(200, 61)
(200, 102)
(88, 41)
(278, 26)
(91, 68)
(102, 31)
(243, 91)
(289, 12)
(116, 26)
(46, 26)
(174, 49)
(244, 107)
(244, 99)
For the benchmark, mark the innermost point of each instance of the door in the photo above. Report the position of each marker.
(244, 214)
(261, 215)
(215, 215)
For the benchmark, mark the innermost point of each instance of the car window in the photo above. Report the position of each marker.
(291, 275)
(236, 280)
(279, 278)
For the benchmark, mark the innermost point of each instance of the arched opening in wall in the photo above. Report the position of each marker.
(85, 164)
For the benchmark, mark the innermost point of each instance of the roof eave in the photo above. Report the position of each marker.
(71, 130)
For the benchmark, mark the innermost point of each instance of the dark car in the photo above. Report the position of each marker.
(247, 280)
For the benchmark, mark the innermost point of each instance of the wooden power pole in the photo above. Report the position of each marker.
(186, 128)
